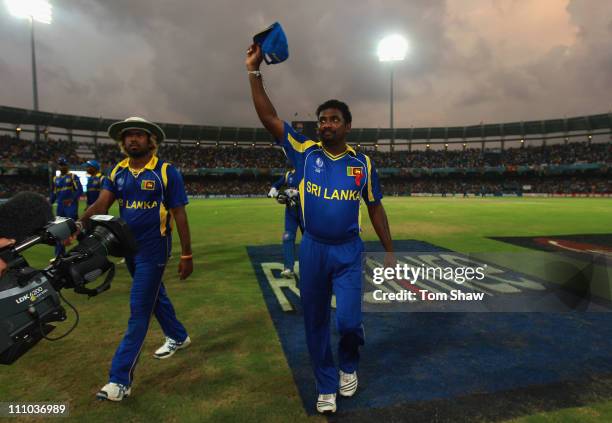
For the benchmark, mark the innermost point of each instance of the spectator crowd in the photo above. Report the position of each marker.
(196, 157)
(28, 153)
(499, 185)
(555, 154)
(19, 151)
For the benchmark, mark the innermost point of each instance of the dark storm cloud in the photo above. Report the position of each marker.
(182, 61)
(199, 52)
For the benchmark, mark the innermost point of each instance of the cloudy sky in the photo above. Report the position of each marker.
(183, 61)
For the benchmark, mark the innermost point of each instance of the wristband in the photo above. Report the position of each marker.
(187, 257)
(255, 72)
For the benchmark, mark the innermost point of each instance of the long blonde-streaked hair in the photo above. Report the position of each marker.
(152, 141)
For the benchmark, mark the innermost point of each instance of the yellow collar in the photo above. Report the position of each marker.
(349, 149)
(151, 165)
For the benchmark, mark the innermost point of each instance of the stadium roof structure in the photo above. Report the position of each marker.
(592, 124)
(174, 131)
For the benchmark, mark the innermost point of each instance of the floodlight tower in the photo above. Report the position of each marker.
(33, 10)
(392, 48)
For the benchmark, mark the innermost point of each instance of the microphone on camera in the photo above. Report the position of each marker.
(23, 215)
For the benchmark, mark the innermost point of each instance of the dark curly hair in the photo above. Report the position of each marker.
(336, 104)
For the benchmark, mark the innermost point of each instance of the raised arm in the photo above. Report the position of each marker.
(263, 106)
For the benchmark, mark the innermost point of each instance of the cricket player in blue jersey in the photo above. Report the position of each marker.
(94, 181)
(332, 180)
(150, 193)
(66, 190)
(290, 198)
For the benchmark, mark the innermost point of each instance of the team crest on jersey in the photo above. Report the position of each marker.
(356, 172)
(147, 185)
(318, 165)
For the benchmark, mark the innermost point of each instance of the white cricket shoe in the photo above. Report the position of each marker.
(287, 274)
(170, 347)
(326, 403)
(348, 384)
(114, 392)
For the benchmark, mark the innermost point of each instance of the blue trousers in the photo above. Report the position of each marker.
(327, 269)
(291, 225)
(63, 211)
(147, 296)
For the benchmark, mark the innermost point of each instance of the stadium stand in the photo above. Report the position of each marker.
(243, 162)
(17, 151)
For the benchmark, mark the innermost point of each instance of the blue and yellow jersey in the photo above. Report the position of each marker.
(331, 187)
(66, 187)
(289, 179)
(145, 198)
(94, 185)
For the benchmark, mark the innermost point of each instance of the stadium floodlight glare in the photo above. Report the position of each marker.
(392, 48)
(37, 10)
(33, 10)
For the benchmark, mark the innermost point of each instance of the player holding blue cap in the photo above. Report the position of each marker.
(94, 181)
(290, 199)
(333, 179)
(66, 190)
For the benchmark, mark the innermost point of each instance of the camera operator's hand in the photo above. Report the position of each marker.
(69, 241)
(74, 236)
(185, 267)
(4, 242)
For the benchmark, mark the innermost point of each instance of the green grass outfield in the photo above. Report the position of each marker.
(235, 369)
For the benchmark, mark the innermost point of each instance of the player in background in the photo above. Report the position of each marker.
(290, 198)
(332, 178)
(94, 181)
(150, 192)
(66, 190)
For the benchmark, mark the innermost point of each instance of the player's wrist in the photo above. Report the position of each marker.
(253, 66)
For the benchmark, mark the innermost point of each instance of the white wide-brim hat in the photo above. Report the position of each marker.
(116, 129)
